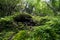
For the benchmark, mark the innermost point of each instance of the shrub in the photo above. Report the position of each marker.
(22, 35)
(7, 7)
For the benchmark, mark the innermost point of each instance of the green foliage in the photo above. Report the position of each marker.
(5, 24)
(55, 4)
(45, 32)
(46, 25)
(48, 31)
(22, 35)
(7, 7)
(5, 35)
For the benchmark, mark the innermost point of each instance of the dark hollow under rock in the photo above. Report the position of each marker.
(26, 19)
